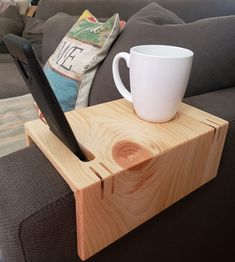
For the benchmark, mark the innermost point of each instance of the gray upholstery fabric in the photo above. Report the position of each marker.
(220, 103)
(55, 224)
(33, 30)
(11, 82)
(30, 190)
(10, 22)
(157, 14)
(100, 8)
(53, 34)
(188, 10)
(212, 41)
(12, 13)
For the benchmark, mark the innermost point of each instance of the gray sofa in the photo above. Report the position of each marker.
(37, 208)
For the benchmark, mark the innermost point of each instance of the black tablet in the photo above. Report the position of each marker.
(27, 63)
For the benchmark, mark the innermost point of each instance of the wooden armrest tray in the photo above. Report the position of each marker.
(136, 168)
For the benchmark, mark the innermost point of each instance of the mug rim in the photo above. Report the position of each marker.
(184, 52)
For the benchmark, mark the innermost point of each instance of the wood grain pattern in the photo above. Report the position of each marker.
(138, 169)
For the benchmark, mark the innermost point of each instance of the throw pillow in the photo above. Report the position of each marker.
(10, 22)
(22, 5)
(71, 69)
(33, 31)
(212, 40)
(4, 5)
(53, 34)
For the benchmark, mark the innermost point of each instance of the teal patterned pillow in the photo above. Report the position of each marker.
(72, 67)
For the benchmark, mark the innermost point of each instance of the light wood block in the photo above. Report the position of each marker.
(31, 10)
(137, 168)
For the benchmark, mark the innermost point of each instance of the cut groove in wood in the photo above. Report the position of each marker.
(218, 137)
(217, 127)
(101, 181)
(213, 122)
(112, 176)
(214, 128)
(106, 168)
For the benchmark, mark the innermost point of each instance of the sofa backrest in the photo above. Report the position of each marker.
(188, 10)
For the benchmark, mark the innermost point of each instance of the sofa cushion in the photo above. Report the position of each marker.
(187, 10)
(33, 31)
(11, 22)
(212, 41)
(41, 194)
(157, 14)
(53, 34)
(219, 103)
(71, 69)
(11, 82)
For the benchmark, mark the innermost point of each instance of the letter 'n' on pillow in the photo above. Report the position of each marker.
(72, 67)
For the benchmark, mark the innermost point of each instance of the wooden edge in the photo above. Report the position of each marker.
(28, 140)
(216, 151)
(201, 115)
(69, 172)
(31, 11)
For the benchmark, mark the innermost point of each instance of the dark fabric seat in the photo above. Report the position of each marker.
(11, 82)
(32, 192)
(219, 103)
(38, 220)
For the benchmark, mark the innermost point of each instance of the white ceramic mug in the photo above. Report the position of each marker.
(159, 76)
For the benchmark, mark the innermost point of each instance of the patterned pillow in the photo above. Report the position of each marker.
(22, 5)
(72, 67)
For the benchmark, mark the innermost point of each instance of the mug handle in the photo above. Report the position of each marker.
(116, 75)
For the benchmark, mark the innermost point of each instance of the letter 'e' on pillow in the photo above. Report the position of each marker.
(72, 67)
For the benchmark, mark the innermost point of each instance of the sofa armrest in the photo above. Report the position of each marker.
(53, 34)
(37, 210)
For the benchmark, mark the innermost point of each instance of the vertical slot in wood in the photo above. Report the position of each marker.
(111, 173)
(101, 180)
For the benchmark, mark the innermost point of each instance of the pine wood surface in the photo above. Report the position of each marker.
(31, 10)
(137, 168)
